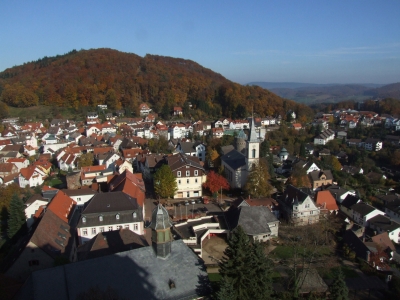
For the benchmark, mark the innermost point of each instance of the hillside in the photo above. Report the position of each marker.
(87, 78)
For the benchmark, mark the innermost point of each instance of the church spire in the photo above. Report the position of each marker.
(253, 134)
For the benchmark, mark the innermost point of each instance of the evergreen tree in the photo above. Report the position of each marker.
(302, 150)
(338, 289)
(245, 270)
(16, 217)
(164, 182)
(264, 148)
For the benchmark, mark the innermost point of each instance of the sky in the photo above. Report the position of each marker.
(347, 41)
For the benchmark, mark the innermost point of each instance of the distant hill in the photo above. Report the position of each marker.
(321, 93)
(87, 78)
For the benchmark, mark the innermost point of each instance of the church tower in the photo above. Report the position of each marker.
(161, 237)
(253, 147)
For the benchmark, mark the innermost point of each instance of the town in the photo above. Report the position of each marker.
(88, 204)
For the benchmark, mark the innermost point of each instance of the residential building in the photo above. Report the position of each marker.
(363, 212)
(325, 201)
(144, 109)
(189, 174)
(324, 137)
(33, 205)
(193, 149)
(108, 212)
(30, 176)
(382, 224)
(80, 196)
(320, 178)
(298, 207)
(371, 144)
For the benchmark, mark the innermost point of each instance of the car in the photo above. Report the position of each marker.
(198, 201)
(186, 203)
(178, 204)
(192, 202)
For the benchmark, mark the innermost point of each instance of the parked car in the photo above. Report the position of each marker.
(186, 203)
(192, 202)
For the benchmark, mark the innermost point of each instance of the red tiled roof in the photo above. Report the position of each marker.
(28, 172)
(324, 199)
(62, 205)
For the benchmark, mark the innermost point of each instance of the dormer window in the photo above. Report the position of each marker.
(101, 218)
(187, 173)
(134, 215)
(179, 173)
(117, 216)
(84, 219)
(196, 173)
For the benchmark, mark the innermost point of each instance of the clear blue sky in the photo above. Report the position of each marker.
(301, 41)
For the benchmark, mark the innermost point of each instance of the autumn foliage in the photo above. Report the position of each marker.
(87, 78)
(215, 182)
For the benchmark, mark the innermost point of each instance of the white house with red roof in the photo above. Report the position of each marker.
(30, 176)
(19, 162)
(144, 109)
(178, 111)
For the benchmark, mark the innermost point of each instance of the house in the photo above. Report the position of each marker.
(392, 139)
(297, 126)
(108, 212)
(324, 137)
(80, 196)
(354, 142)
(371, 144)
(382, 224)
(320, 178)
(8, 169)
(89, 174)
(258, 222)
(193, 149)
(271, 203)
(30, 176)
(363, 212)
(189, 174)
(217, 132)
(177, 111)
(392, 209)
(52, 239)
(352, 170)
(347, 204)
(325, 201)
(63, 206)
(307, 166)
(144, 109)
(298, 207)
(33, 205)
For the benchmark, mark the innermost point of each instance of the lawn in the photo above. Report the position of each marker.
(282, 252)
(348, 272)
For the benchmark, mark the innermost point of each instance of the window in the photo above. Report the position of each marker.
(187, 181)
(187, 173)
(101, 229)
(117, 216)
(253, 155)
(188, 194)
(307, 205)
(179, 181)
(101, 218)
(119, 227)
(196, 172)
(179, 173)
(110, 228)
(78, 199)
(93, 230)
(126, 226)
(311, 212)
(195, 180)
(84, 231)
(134, 215)
(135, 227)
(84, 219)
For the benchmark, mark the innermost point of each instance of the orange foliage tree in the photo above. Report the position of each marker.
(215, 182)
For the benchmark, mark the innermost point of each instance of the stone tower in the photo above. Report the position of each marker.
(161, 236)
(241, 142)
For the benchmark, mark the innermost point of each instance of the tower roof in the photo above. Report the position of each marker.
(160, 218)
(253, 134)
(241, 135)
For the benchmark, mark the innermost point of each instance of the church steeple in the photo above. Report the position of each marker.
(253, 134)
(161, 236)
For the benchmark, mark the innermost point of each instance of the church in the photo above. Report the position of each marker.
(238, 162)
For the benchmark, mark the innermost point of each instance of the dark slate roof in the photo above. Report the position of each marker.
(160, 218)
(394, 206)
(135, 274)
(316, 175)
(253, 219)
(293, 194)
(384, 223)
(179, 160)
(111, 242)
(187, 147)
(349, 201)
(234, 159)
(362, 208)
(79, 192)
(227, 149)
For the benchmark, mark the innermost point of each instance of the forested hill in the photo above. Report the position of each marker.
(98, 76)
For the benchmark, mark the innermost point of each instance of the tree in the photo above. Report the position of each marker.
(215, 182)
(245, 270)
(86, 160)
(264, 148)
(257, 182)
(302, 152)
(338, 289)
(164, 182)
(16, 216)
